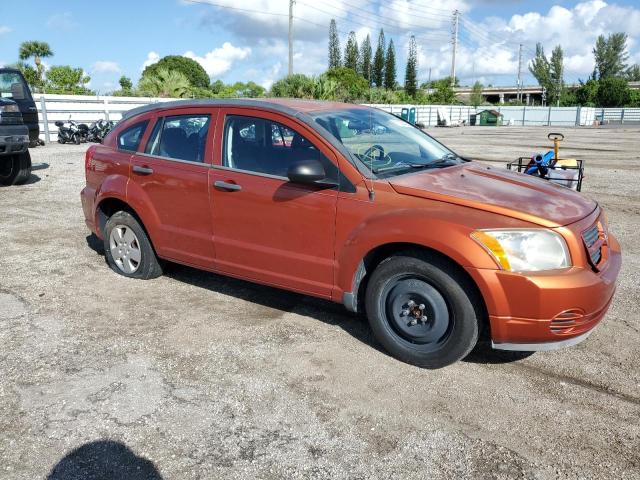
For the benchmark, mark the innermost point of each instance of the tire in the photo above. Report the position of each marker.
(15, 169)
(421, 309)
(61, 140)
(76, 139)
(127, 248)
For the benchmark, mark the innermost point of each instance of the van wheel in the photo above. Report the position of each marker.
(127, 248)
(419, 310)
(15, 169)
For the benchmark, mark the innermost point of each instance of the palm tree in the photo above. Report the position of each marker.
(37, 50)
(165, 83)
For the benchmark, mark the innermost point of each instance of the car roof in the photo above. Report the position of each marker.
(289, 106)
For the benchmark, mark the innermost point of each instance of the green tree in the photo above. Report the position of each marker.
(613, 92)
(633, 73)
(351, 52)
(390, 67)
(443, 91)
(293, 86)
(30, 74)
(334, 45)
(540, 67)
(411, 73)
(67, 80)
(364, 67)
(192, 70)
(378, 61)
(37, 50)
(556, 71)
(610, 55)
(476, 98)
(587, 93)
(165, 83)
(125, 84)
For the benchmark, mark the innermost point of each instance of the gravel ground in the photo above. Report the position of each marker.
(194, 375)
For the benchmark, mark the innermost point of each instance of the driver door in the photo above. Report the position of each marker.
(266, 228)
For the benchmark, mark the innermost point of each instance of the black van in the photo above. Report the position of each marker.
(14, 87)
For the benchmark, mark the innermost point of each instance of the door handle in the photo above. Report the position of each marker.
(234, 187)
(142, 170)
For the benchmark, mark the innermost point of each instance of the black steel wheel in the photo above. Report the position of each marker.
(420, 309)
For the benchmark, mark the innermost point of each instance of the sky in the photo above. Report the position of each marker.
(243, 41)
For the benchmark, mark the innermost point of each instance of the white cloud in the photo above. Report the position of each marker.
(219, 60)
(105, 66)
(4, 29)
(62, 21)
(152, 57)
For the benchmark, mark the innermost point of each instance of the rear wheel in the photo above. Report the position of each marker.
(128, 249)
(15, 169)
(419, 310)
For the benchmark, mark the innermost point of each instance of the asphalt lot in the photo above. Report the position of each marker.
(194, 375)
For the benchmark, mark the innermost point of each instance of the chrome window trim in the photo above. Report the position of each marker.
(159, 157)
(249, 172)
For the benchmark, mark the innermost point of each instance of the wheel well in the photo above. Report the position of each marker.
(374, 257)
(109, 206)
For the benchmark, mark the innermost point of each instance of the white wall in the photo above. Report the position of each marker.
(87, 109)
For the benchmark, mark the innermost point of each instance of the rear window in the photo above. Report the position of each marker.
(13, 86)
(129, 139)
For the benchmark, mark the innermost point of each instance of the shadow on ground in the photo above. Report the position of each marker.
(104, 460)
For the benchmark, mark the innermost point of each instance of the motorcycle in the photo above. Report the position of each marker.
(68, 134)
(98, 130)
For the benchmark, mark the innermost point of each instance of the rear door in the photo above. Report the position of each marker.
(265, 227)
(172, 171)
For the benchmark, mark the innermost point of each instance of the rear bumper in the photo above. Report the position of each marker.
(549, 310)
(87, 197)
(13, 139)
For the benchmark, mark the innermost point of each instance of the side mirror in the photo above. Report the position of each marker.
(306, 171)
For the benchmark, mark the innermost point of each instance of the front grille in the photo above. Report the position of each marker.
(594, 240)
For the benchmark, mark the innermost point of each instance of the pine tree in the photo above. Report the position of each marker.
(378, 61)
(334, 46)
(556, 81)
(540, 67)
(390, 67)
(411, 73)
(611, 56)
(351, 52)
(364, 66)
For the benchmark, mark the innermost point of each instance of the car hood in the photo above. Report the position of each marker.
(500, 191)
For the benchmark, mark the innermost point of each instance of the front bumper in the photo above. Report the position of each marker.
(544, 311)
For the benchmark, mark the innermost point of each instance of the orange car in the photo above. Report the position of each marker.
(354, 205)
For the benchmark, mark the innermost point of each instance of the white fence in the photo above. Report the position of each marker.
(87, 109)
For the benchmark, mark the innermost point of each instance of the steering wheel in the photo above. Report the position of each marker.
(369, 152)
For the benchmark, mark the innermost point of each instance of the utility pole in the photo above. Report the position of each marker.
(519, 95)
(291, 2)
(454, 39)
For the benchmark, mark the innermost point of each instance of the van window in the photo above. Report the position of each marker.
(264, 146)
(129, 139)
(182, 137)
(13, 86)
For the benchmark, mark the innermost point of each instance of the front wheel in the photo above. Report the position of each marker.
(419, 310)
(128, 249)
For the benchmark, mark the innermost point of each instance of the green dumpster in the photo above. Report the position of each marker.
(490, 118)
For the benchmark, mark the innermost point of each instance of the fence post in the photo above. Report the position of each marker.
(45, 120)
(602, 118)
(622, 117)
(524, 115)
(106, 109)
(578, 116)
(549, 118)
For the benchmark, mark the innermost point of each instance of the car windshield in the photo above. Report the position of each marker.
(12, 86)
(386, 144)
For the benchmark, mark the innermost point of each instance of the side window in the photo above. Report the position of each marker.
(182, 137)
(264, 146)
(129, 139)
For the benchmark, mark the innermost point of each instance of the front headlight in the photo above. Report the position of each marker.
(525, 250)
(11, 107)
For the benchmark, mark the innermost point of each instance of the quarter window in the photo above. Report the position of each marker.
(182, 137)
(129, 139)
(264, 146)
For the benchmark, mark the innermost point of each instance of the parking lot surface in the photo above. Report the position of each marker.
(194, 375)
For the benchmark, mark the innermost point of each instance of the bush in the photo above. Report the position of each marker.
(587, 93)
(294, 86)
(350, 85)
